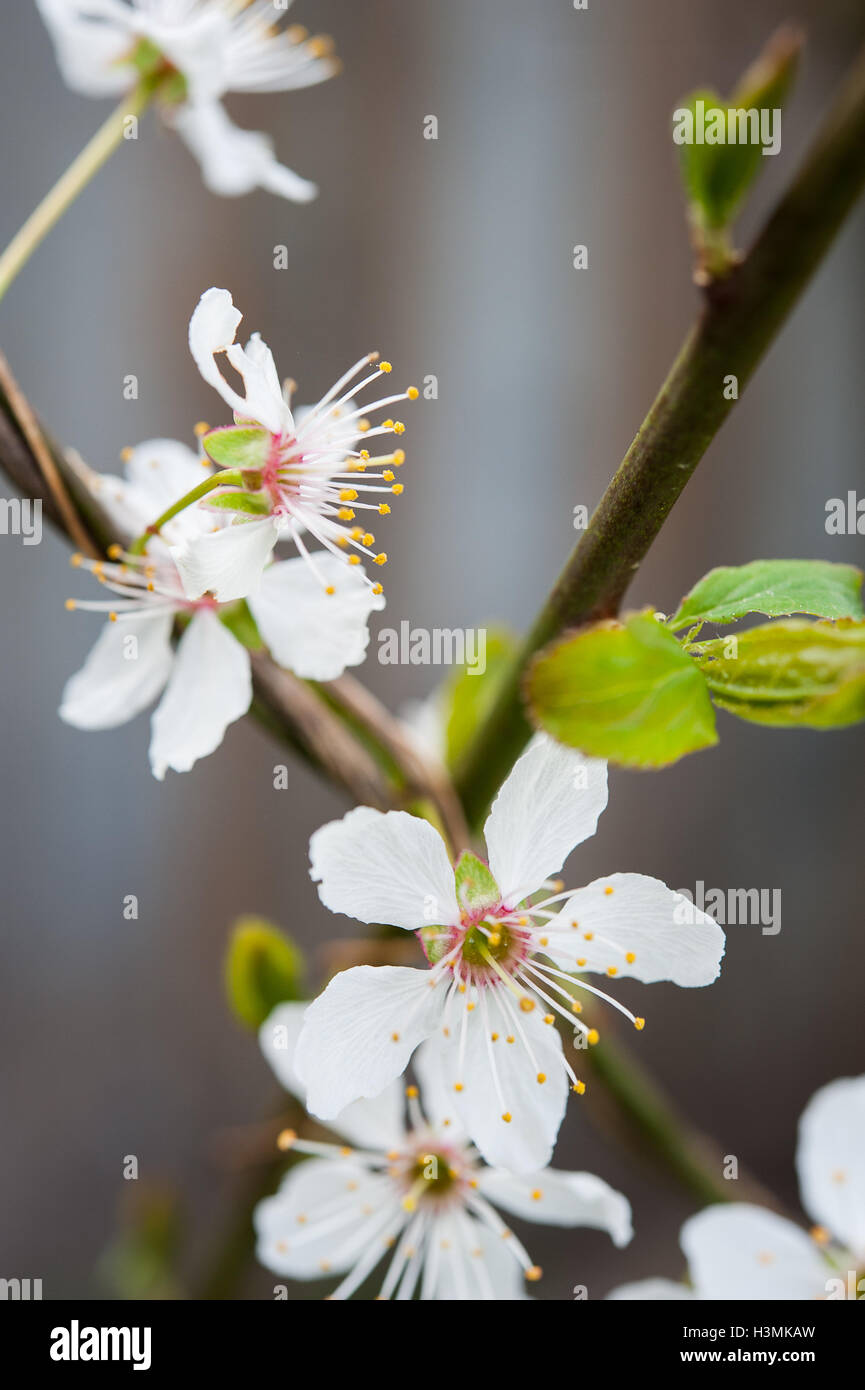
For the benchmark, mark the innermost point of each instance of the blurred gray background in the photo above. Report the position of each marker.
(453, 257)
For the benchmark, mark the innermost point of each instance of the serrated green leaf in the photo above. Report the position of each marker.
(477, 890)
(776, 588)
(625, 691)
(789, 673)
(263, 968)
(238, 446)
(467, 698)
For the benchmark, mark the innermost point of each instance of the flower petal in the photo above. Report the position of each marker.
(666, 1289)
(228, 563)
(742, 1251)
(210, 687)
(550, 803)
(376, 1123)
(160, 471)
(212, 329)
(120, 678)
(349, 1202)
(554, 1198)
(358, 1035)
(667, 936)
(384, 867)
(235, 161)
(500, 1078)
(90, 53)
(830, 1160)
(312, 632)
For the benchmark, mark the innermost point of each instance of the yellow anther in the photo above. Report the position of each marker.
(364, 453)
(356, 532)
(399, 457)
(494, 1037)
(527, 1004)
(286, 1139)
(397, 489)
(354, 559)
(412, 393)
(581, 960)
(388, 475)
(76, 560)
(330, 590)
(549, 1018)
(345, 514)
(509, 1038)
(346, 1151)
(112, 617)
(368, 538)
(537, 1195)
(383, 509)
(411, 1092)
(201, 427)
(378, 588)
(541, 1078)
(507, 1117)
(608, 890)
(363, 426)
(639, 1024)
(398, 427)
(523, 921)
(579, 1087)
(534, 1273)
(70, 605)
(495, 939)
(341, 541)
(612, 970)
(394, 1037)
(458, 1085)
(321, 46)
(593, 1036)
(588, 936)
(630, 957)
(385, 367)
(126, 454)
(381, 559)
(543, 941)
(576, 1007)
(348, 494)
(469, 1008)
(114, 552)
(151, 587)
(820, 1235)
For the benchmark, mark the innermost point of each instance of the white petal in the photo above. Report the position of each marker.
(384, 867)
(370, 1124)
(550, 803)
(159, 472)
(210, 687)
(309, 631)
(668, 937)
(227, 563)
(235, 161)
(120, 678)
(287, 1239)
(212, 329)
(554, 1198)
(830, 1160)
(90, 54)
(525, 1142)
(740, 1251)
(359, 1034)
(471, 1262)
(665, 1289)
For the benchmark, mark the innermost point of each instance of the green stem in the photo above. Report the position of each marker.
(742, 315)
(232, 476)
(73, 181)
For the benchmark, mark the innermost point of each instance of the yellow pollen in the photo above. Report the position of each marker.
(537, 1195)
(114, 552)
(399, 457)
(608, 890)
(820, 1235)
(543, 941)
(411, 1092)
(527, 1004)
(346, 1151)
(394, 1037)
(612, 970)
(458, 1085)
(579, 1087)
(381, 559)
(348, 494)
(383, 509)
(630, 957)
(324, 1266)
(345, 514)
(839, 1176)
(321, 46)
(494, 1036)
(286, 1139)
(356, 532)
(593, 1036)
(341, 541)
(534, 1274)
(509, 1038)
(364, 454)
(70, 605)
(398, 427)
(581, 960)
(385, 367)
(549, 1018)
(576, 1007)
(368, 538)
(397, 489)
(575, 925)
(112, 617)
(412, 393)
(639, 1024)
(507, 1117)
(201, 427)
(469, 1008)
(330, 589)
(75, 560)
(495, 939)
(126, 454)
(363, 426)
(378, 588)
(388, 475)
(541, 1078)
(588, 936)
(354, 559)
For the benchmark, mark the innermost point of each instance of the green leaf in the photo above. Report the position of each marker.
(240, 622)
(625, 691)
(789, 673)
(263, 968)
(238, 446)
(778, 588)
(477, 890)
(234, 500)
(467, 697)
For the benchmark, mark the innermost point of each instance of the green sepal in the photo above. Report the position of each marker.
(238, 446)
(263, 968)
(477, 890)
(236, 500)
(241, 624)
